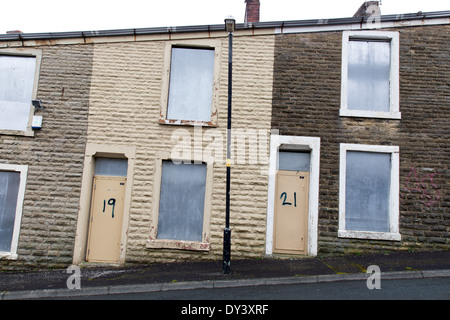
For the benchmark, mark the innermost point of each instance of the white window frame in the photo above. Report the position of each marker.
(25, 52)
(394, 92)
(23, 170)
(311, 144)
(393, 234)
(201, 43)
(153, 242)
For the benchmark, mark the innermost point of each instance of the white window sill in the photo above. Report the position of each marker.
(370, 235)
(8, 256)
(212, 123)
(27, 133)
(370, 114)
(178, 244)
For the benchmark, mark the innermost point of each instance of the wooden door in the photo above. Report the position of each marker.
(106, 219)
(291, 212)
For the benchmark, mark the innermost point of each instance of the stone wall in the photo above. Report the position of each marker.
(54, 157)
(124, 110)
(306, 102)
(109, 93)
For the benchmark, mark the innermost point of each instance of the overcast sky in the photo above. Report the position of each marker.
(84, 15)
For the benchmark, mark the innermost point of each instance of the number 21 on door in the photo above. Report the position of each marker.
(284, 197)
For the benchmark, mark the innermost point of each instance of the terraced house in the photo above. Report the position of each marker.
(374, 94)
(113, 142)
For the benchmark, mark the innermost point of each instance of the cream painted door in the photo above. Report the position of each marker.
(291, 212)
(106, 219)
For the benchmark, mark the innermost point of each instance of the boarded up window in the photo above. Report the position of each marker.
(191, 84)
(9, 189)
(181, 204)
(369, 75)
(294, 161)
(368, 176)
(16, 89)
(111, 167)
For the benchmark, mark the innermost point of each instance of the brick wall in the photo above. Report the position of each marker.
(306, 102)
(55, 158)
(252, 10)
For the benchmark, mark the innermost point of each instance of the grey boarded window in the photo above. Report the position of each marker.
(9, 190)
(293, 161)
(191, 84)
(181, 204)
(369, 75)
(367, 191)
(111, 167)
(16, 90)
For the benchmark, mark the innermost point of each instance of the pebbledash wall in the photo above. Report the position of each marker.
(307, 101)
(105, 95)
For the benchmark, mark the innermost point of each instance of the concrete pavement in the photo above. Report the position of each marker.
(95, 280)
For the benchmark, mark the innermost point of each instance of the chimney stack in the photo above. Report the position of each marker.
(252, 11)
(368, 8)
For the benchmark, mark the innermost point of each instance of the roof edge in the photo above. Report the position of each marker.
(220, 27)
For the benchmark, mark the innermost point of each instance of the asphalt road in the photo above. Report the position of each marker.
(407, 289)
